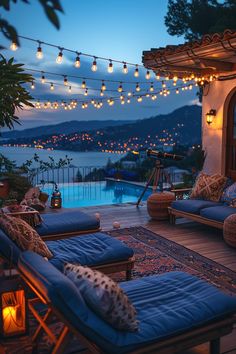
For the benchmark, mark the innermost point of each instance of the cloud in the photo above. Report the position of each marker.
(195, 101)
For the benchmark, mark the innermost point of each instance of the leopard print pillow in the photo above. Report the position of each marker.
(20, 232)
(104, 296)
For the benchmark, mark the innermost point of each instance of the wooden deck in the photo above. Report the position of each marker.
(200, 238)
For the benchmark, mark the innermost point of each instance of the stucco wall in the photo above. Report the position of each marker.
(213, 136)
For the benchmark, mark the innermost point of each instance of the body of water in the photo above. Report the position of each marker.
(80, 159)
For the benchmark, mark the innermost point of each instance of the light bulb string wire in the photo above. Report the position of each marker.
(115, 98)
(76, 52)
(151, 82)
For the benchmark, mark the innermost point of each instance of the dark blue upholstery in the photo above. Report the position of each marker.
(193, 206)
(167, 305)
(219, 213)
(91, 249)
(66, 222)
(8, 249)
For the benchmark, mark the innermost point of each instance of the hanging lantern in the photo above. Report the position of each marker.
(56, 200)
(14, 309)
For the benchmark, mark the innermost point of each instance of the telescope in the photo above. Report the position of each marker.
(163, 155)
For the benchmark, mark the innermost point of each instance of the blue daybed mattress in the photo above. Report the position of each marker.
(167, 305)
(70, 221)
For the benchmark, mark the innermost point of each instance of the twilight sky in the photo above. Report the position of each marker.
(117, 29)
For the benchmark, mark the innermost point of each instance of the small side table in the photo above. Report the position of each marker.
(158, 204)
(229, 230)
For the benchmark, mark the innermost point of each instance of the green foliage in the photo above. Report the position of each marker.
(6, 165)
(13, 96)
(194, 18)
(50, 7)
(18, 184)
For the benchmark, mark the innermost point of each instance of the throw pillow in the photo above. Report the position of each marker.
(104, 296)
(229, 194)
(24, 235)
(208, 187)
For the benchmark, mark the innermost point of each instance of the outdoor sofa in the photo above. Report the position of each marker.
(176, 311)
(96, 250)
(203, 211)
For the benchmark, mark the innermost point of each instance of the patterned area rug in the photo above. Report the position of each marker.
(154, 255)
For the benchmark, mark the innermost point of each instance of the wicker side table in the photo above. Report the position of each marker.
(229, 230)
(158, 203)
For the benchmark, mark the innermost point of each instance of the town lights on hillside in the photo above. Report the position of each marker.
(94, 65)
(110, 67)
(39, 53)
(77, 61)
(210, 116)
(60, 56)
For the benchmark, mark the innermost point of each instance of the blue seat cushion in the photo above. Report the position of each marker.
(219, 213)
(167, 305)
(193, 206)
(66, 222)
(91, 249)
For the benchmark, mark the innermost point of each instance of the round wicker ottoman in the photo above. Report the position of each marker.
(229, 230)
(158, 203)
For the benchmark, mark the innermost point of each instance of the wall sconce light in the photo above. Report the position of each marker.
(210, 115)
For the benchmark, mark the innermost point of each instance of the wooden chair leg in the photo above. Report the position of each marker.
(62, 341)
(215, 346)
(128, 274)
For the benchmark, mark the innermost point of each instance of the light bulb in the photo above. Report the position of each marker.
(39, 53)
(121, 97)
(120, 88)
(69, 89)
(157, 76)
(139, 99)
(175, 78)
(147, 76)
(32, 85)
(154, 97)
(52, 87)
(122, 102)
(94, 65)
(125, 68)
(103, 87)
(13, 46)
(128, 100)
(151, 89)
(77, 62)
(86, 92)
(101, 93)
(83, 85)
(167, 77)
(129, 94)
(137, 88)
(43, 79)
(163, 84)
(59, 57)
(110, 67)
(65, 81)
(136, 72)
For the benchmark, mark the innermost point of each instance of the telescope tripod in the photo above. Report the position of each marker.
(157, 176)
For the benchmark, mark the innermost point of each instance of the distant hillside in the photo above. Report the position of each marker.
(63, 128)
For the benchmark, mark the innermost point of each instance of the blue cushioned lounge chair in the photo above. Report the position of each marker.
(66, 223)
(176, 311)
(96, 250)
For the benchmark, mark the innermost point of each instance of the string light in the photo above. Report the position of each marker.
(125, 68)
(163, 84)
(43, 79)
(151, 89)
(77, 61)
(103, 87)
(60, 56)
(110, 67)
(128, 100)
(39, 53)
(177, 91)
(137, 88)
(13, 46)
(136, 72)
(83, 85)
(65, 81)
(121, 97)
(129, 94)
(122, 101)
(147, 76)
(120, 88)
(139, 99)
(94, 65)
(86, 92)
(69, 89)
(32, 85)
(101, 93)
(51, 87)
(157, 76)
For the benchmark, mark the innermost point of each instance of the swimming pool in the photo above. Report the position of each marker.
(98, 193)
